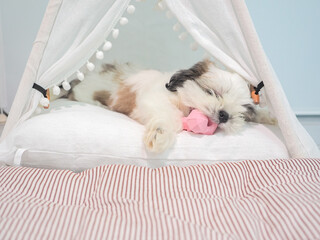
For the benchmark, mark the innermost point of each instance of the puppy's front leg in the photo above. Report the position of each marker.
(263, 116)
(160, 134)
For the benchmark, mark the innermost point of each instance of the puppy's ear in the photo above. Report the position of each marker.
(250, 113)
(174, 83)
(192, 74)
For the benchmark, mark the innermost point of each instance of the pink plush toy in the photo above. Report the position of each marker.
(199, 123)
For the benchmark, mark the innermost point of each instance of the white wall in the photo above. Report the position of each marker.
(3, 92)
(20, 23)
(153, 43)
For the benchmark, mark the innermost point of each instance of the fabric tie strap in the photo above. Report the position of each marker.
(40, 89)
(258, 88)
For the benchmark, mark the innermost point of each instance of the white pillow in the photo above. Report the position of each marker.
(77, 136)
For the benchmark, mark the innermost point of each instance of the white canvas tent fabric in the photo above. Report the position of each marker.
(72, 30)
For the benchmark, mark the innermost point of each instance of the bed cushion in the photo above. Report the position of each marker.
(272, 199)
(77, 136)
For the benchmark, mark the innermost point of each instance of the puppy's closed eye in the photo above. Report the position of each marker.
(212, 92)
(209, 91)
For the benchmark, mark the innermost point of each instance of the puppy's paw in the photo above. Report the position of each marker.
(268, 120)
(158, 139)
(264, 117)
(272, 121)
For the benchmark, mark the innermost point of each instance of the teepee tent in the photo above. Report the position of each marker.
(73, 31)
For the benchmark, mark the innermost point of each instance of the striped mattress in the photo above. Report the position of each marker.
(273, 199)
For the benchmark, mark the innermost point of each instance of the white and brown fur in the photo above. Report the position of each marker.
(159, 100)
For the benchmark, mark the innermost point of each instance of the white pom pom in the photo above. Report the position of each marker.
(115, 33)
(56, 90)
(194, 46)
(183, 36)
(161, 5)
(66, 85)
(44, 102)
(80, 75)
(176, 27)
(169, 14)
(131, 9)
(123, 21)
(99, 55)
(90, 66)
(38, 110)
(107, 46)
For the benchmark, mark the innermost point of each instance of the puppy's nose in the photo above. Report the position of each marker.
(223, 116)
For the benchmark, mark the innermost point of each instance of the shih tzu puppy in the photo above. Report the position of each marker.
(159, 100)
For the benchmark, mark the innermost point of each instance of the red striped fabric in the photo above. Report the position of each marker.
(274, 199)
